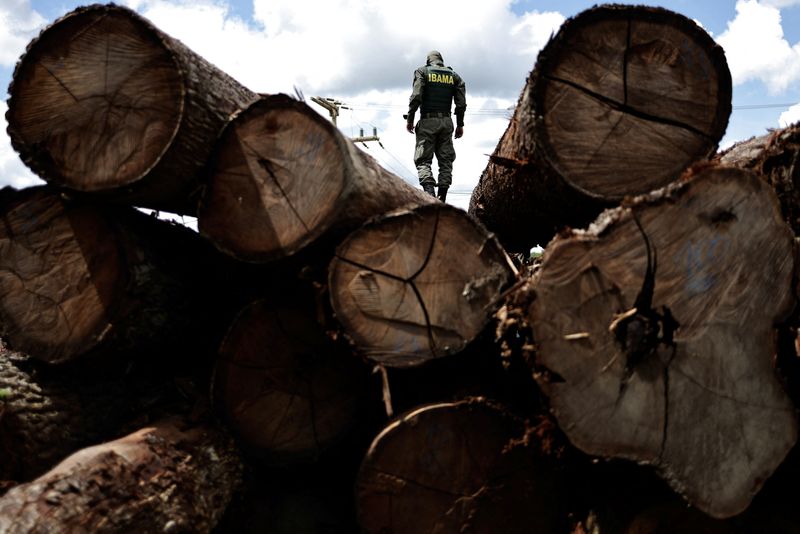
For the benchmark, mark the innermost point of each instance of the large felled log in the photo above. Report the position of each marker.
(453, 468)
(417, 284)
(774, 156)
(44, 417)
(78, 279)
(620, 102)
(103, 101)
(284, 176)
(164, 478)
(655, 334)
(285, 388)
(45, 414)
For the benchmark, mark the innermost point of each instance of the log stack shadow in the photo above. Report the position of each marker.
(336, 351)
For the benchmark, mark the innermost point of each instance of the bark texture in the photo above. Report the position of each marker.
(774, 156)
(620, 102)
(655, 334)
(78, 278)
(47, 414)
(164, 478)
(103, 101)
(284, 177)
(417, 284)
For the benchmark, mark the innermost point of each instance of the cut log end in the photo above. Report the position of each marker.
(278, 178)
(448, 468)
(674, 368)
(288, 392)
(96, 100)
(629, 96)
(417, 285)
(61, 269)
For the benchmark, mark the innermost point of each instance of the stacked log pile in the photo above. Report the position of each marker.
(335, 351)
(619, 103)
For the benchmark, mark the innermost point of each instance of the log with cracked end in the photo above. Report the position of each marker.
(169, 477)
(686, 383)
(284, 178)
(452, 467)
(79, 278)
(621, 100)
(103, 101)
(287, 391)
(417, 284)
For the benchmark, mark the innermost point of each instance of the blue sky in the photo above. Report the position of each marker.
(325, 47)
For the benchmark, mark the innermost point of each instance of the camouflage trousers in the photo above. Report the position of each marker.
(435, 137)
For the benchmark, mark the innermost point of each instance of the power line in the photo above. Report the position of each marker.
(410, 174)
(763, 106)
(502, 111)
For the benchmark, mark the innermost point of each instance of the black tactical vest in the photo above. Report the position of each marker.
(440, 86)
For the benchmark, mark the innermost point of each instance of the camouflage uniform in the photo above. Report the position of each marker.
(435, 89)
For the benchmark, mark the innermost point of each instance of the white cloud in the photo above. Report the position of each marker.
(12, 170)
(756, 48)
(18, 24)
(790, 116)
(528, 30)
(781, 4)
(302, 44)
(481, 132)
(360, 51)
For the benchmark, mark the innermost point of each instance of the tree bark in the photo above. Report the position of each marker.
(654, 334)
(103, 101)
(417, 284)
(454, 468)
(284, 176)
(47, 414)
(286, 389)
(620, 102)
(164, 478)
(774, 156)
(78, 279)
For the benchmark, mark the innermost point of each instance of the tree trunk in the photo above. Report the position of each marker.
(284, 176)
(47, 414)
(105, 102)
(79, 279)
(620, 102)
(163, 478)
(654, 335)
(453, 468)
(285, 388)
(775, 157)
(416, 285)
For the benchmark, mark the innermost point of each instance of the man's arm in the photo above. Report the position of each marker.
(416, 99)
(460, 100)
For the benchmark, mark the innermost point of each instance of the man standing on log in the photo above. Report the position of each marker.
(435, 88)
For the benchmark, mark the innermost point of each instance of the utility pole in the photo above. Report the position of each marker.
(333, 106)
(361, 138)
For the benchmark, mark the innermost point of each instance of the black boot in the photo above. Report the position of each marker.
(428, 188)
(443, 192)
